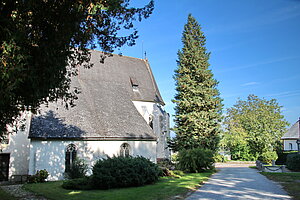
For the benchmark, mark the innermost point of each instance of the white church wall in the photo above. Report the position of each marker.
(50, 155)
(18, 147)
(144, 108)
(290, 145)
(160, 127)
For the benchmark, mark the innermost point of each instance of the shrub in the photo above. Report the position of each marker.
(165, 163)
(77, 169)
(39, 177)
(282, 156)
(195, 160)
(78, 184)
(219, 158)
(268, 156)
(117, 172)
(293, 162)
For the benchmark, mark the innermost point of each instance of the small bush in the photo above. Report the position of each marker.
(165, 163)
(78, 169)
(282, 156)
(39, 177)
(293, 162)
(118, 172)
(195, 160)
(78, 184)
(268, 156)
(219, 158)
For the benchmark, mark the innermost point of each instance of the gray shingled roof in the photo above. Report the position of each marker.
(293, 132)
(104, 109)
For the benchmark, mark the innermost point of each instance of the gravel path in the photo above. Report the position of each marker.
(21, 194)
(238, 181)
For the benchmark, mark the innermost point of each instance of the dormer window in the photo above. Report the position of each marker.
(134, 84)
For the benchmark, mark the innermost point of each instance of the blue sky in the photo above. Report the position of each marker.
(254, 45)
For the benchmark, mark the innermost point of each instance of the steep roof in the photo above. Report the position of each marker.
(104, 109)
(293, 132)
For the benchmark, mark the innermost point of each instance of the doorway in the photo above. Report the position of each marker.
(4, 166)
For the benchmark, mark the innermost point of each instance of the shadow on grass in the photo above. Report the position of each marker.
(165, 188)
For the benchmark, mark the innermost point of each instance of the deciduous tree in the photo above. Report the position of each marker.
(42, 43)
(258, 124)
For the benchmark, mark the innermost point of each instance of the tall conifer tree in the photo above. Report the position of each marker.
(198, 105)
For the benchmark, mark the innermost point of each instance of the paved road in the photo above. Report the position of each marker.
(238, 181)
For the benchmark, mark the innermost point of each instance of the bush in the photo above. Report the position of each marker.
(268, 156)
(78, 184)
(195, 160)
(282, 156)
(118, 172)
(78, 169)
(39, 177)
(219, 158)
(293, 162)
(165, 163)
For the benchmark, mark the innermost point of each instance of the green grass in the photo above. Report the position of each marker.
(289, 181)
(164, 189)
(5, 196)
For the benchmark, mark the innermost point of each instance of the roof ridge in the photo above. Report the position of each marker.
(118, 54)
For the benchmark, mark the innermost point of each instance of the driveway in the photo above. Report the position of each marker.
(238, 181)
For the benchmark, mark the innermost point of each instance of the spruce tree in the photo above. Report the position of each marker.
(198, 105)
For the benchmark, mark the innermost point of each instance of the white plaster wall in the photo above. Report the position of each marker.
(18, 148)
(50, 155)
(286, 145)
(152, 108)
(149, 106)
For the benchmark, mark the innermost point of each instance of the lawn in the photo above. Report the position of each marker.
(289, 181)
(5, 196)
(164, 189)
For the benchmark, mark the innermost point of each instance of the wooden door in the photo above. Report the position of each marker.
(4, 166)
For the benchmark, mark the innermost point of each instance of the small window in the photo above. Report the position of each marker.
(291, 146)
(151, 121)
(71, 153)
(134, 84)
(125, 150)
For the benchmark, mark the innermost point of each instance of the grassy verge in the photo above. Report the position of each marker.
(164, 189)
(5, 196)
(289, 181)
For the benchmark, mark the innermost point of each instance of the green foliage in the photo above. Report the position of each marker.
(195, 160)
(268, 156)
(198, 105)
(78, 184)
(42, 43)
(118, 172)
(77, 169)
(253, 127)
(39, 177)
(293, 162)
(282, 156)
(219, 158)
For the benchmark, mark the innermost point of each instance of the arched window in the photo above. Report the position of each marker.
(125, 150)
(71, 153)
(291, 146)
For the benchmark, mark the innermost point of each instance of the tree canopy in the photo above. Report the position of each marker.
(198, 105)
(42, 43)
(253, 128)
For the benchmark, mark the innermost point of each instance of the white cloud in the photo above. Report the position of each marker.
(250, 83)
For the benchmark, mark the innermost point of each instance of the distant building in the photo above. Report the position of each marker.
(290, 138)
(119, 111)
